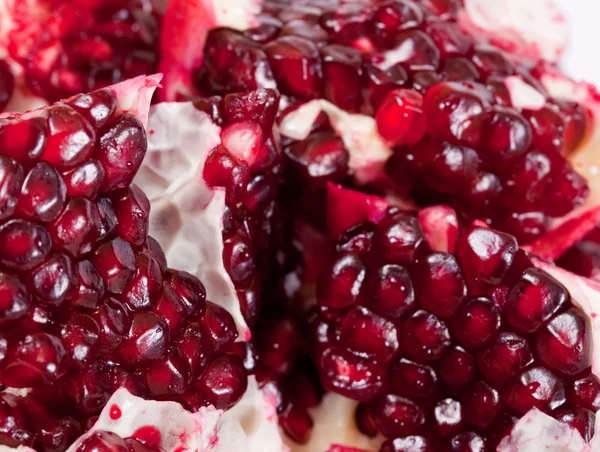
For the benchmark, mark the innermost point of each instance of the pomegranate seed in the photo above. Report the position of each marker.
(96, 107)
(11, 180)
(440, 285)
(23, 139)
(320, 157)
(296, 423)
(219, 325)
(457, 111)
(168, 377)
(77, 229)
(341, 290)
(23, 245)
(481, 405)
(448, 417)
(411, 443)
(363, 331)
(425, 55)
(397, 238)
(400, 118)
(535, 387)
(36, 358)
(491, 61)
(467, 441)
(350, 375)
(195, 347)
(449, 39)
(70, 138)
(476, 322)
(132, 209)
(342, 73)
(564, 343)
(392, 291)
(391, 16)
(585, 392)
(224, 381)
(296, 65)
(121, 148)
(258, 106)
(15, 300)
(424, 337)
(85, 180)
(89, 288)
(396, 416)
(457, 369)
(507, 135)
(580, 419)
(115, 261)
(413, 380)
(52, 281)
(506, 356)
(533, 300)
(485, 255)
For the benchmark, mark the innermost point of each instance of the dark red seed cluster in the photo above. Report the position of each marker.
(83, 46)
(247, 164)
(87, 302)
(443, 106)
(448, 348)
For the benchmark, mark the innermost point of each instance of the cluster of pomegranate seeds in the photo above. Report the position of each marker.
(87, 302)
(247, 165)
(69, 47)
(453, 347)
(445, 103)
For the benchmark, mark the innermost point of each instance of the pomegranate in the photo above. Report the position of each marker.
(54, 49)
(480, 126)
(212, 176)
(485, 132)
(88, 302)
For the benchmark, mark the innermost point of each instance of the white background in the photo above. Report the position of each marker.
(582, 59)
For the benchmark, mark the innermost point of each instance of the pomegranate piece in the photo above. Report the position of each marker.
(463, 365)
(65, 49)
(400, 118)
(87, 303)
(409, 63)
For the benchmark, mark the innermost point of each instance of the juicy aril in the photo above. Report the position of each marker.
(50, 49)
(87, 302)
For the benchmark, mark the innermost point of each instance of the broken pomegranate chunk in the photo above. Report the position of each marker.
(455, 362)
(450, 125)
(61, 48)
(87, 302)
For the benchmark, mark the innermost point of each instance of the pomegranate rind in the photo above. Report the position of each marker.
(533, 30)
(183, 34)
(556, 437)
(368, 150)
(186, 216)
(208, 430)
